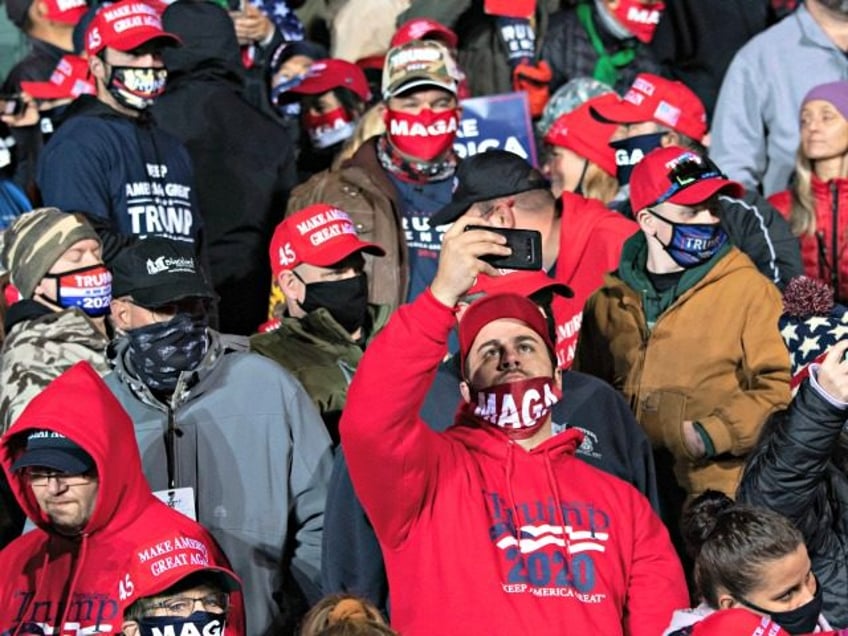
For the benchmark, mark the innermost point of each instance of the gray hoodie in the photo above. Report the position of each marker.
(253, 447)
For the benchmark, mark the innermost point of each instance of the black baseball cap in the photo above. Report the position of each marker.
(157, 271)
(49, 449)
(488, 175)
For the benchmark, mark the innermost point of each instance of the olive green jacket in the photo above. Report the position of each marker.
(321, 355)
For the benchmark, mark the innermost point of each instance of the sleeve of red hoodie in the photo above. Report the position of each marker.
(392, 455)
(656, 585)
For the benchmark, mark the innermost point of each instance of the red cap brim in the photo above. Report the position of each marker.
(45, 90)
(620, 112)
(332, 254)
(703, 190)
(141, 35)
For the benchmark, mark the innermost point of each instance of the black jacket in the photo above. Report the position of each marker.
(798, 470)
(243, 160)
(351, 560)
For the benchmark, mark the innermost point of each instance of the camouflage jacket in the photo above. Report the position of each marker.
(40, 345)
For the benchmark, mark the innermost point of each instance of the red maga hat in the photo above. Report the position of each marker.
(69, 79)
(424, 29)
(325, 75)
(319, 235)
(587, 136)
(125, 26)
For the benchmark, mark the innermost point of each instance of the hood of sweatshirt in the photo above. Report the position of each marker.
(81, 407)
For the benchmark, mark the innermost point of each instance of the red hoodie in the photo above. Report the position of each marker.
(482, 537)
(591, 238)
(84, 583)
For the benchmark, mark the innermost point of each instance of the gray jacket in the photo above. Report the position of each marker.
(253, 447)
(755, 126)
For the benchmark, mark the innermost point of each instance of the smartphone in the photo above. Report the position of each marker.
(11, 104)
(526, 246)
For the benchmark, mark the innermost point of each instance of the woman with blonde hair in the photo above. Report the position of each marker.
(579, 158)
(335, 611)
(817, 203)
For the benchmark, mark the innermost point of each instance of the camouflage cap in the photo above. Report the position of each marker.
(418, 63)
(568, 97)
(36, 240)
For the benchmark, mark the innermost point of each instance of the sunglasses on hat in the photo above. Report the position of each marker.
(687, 172)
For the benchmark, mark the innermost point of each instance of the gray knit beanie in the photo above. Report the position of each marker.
(36, 240)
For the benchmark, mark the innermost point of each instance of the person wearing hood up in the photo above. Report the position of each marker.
(494, 526)
(110, 160)
(243, 159)
(74, 467)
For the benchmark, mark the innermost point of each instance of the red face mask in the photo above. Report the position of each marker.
(424, 136)
(330, 128)
(517, 408)
(641, 20)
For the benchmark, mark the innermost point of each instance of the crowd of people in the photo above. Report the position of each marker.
(279, 359)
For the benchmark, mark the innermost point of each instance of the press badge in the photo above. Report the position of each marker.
(180, 499)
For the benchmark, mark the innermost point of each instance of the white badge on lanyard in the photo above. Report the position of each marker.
(180, 499)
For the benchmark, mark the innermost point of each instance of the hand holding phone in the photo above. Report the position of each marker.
(526, 246)
(12, 105)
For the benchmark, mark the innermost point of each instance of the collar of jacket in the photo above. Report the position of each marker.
(633, 271)
(319, 325)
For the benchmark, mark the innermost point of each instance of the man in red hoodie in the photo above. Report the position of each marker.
(494, 527)
(74, 467)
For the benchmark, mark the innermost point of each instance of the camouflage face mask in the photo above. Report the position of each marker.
(162, 351)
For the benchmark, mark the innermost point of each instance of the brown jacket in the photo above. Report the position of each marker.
(715, 356)
(362, 189)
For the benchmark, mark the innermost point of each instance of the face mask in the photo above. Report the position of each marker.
(162, 351)
(630, 151)
(424, 136)
(330, 128)
(198, 624)
(639, 19)
(693, 243)
(136, 88)
(519, 408)
(50, 119)
(801, 620)
(346, 300)
(86, 288)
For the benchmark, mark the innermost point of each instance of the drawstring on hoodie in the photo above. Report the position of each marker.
(554, 488)
(171, 436)
(77, 568)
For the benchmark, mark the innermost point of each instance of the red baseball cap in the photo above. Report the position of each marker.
(524, 282)
(66, 11)
(325, 75)
(588, 137)
(654, 98)
(737, 621)
(677, 175)
(69, 79)
(126, 25)
(497, 307)
(319, 235)
(424, 29)
(167, 559)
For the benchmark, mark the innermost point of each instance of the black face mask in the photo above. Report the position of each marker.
(801, 620)
(162, 351)
(346, 300)
(629, 152)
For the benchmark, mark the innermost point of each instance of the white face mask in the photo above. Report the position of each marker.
(610, 23)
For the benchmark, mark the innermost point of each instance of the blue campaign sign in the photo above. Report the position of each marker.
(496, 121)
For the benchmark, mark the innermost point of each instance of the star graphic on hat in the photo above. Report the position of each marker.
(818, 321)
(789, 332)
(809, 345)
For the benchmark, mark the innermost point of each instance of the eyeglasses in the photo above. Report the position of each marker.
(183, 606)
(688, 171)
(40, 478)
